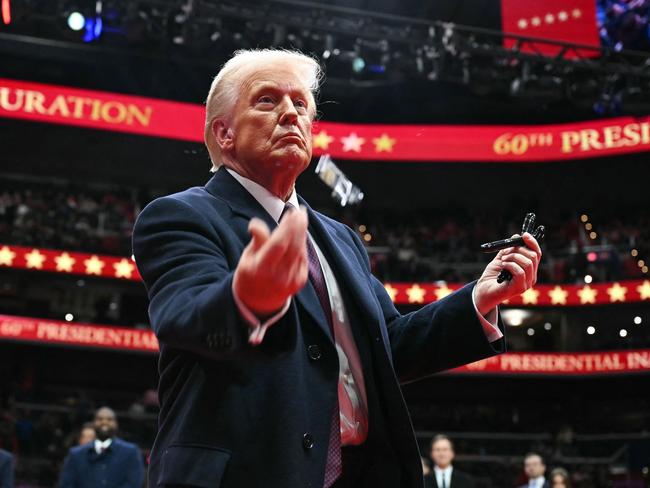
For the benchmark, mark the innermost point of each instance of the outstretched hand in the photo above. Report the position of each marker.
(273, 267)
(521, 261)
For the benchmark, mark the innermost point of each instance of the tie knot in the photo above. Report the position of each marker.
(288, 208)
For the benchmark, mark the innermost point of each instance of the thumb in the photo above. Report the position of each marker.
(259, 232)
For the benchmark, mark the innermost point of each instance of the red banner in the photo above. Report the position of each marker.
(76, 334)
(561, 364)
(41, 331)
(57, 261)
(369, 142)
(572, 21)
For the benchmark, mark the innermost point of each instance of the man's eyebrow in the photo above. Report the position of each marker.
(266, 85)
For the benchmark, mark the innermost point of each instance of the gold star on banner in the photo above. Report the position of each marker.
(322, 140)
(123, 269)
(644, 289)
(443, 291)
(416, 294)
(94, 265)
(536, 21)
(576, 13)
(522, 24)
(616, 293)
(64, 262)
(558, 295)
(563, 16)
(6, 256)
(587, 294)
(34, 259)
(384, 143)
(530, 296)
(352, 142)
(392, 292)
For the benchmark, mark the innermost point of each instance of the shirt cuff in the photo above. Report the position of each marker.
(489, 322)
(258, 328)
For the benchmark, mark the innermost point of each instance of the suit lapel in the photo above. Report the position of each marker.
(244, 207)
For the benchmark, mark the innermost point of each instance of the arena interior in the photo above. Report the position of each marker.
(445, 122)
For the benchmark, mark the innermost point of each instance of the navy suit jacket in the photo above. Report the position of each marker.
(235, 415)
(119, 466)
(6, 469)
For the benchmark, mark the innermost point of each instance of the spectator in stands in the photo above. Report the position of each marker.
(560, 478)
(107, 462)
(444, 475)
(6, 469)
(87, 434)
(535, 469)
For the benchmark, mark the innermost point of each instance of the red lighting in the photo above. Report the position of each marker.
(591, 257)
(6, 12)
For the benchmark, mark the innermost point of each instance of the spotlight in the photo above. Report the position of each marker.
(358, 64)
(588, 279)
(530, 332)
(548, 326)
(591, 330)
(622, 333)
(637, 320)
(76, 21)
(69, 317)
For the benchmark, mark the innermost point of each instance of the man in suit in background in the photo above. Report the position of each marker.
(444, 474)
(280, 353)
(106, 462)
(6, 469)
(535, 468)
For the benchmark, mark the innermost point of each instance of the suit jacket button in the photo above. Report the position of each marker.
(314, 352)
(307, 441)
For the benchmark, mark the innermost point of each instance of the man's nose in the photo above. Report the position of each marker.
(288, 112)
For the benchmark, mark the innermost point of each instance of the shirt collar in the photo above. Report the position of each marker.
(539, 481)
(101, 445)
(272, 204)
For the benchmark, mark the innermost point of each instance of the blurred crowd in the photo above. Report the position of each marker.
(414, 246)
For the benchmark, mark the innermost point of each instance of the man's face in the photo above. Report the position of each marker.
(534, 467)
(442, 453)
(271, 125)
(105, 424)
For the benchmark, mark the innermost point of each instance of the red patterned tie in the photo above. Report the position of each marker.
(334, 465)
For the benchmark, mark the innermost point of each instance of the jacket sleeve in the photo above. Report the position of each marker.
(134, 469)
(441, 335)
(68, 478)
(188, 279)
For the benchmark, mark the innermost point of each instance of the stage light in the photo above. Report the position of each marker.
(367, 237)
(592, 256)
(637, 320)
(548, 326)
(362, 228)
(6, 12)
(640, 263)
(588, 279)
(622, 333)
(530, 331)
(588, 226)
(584, 218)
(69, 317)
(515, 316)
(635, 253)
(76, 21)
(644, 269)
(593, 235)
(358, 64)
(591, 330)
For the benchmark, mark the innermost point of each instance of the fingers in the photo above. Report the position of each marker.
(259, 232)
(286, 243)
(526, 264)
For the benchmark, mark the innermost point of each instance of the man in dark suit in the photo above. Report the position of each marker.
(280, 354)
(6, 469)
(444, 474)
(535, 469)
(106, 462)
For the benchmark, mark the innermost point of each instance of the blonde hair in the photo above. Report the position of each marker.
(225, 87)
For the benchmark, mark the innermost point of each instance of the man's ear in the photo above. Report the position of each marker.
(223, 135)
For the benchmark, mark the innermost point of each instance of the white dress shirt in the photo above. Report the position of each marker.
(443, 473)
(101, 446)
(351, 391)
(536, 482)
